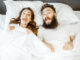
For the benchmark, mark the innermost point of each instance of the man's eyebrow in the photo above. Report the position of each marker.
(28, 12)
(48, 9)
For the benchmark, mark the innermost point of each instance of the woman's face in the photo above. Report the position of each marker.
(48, 14)
(25, 17)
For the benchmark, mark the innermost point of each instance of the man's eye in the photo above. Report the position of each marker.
(48, 12)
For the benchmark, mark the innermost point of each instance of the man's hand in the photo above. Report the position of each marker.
(49, 45)
(72, 37)
(11, 27)
(68, 46)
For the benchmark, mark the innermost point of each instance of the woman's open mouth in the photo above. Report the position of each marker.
(24, 19)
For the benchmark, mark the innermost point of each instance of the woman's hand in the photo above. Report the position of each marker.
(11, 27)
(28, 31)
(68, 46)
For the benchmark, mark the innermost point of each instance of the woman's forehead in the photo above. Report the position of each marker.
(27, 11)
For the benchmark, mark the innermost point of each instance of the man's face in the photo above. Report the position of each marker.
(48, 14)
(25, 17)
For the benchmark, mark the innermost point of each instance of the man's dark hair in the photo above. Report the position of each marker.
(48, 5)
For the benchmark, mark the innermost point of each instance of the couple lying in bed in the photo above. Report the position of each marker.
(26, 20)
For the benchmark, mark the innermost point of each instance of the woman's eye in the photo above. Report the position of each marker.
(23, 13)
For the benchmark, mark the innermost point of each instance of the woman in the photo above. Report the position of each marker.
(16, 44)
(25, 20)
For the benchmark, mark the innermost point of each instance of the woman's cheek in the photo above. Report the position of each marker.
(28, 20)
(22, 16)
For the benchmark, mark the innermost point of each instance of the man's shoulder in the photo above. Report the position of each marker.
(41, 27)
(46, 29)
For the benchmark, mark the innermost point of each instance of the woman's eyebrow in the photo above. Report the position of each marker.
(28, 12)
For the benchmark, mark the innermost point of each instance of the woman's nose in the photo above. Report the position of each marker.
(24, 15)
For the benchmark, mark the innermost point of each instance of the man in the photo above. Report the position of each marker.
(49, 24)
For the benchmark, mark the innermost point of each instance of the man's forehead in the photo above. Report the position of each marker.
(48, 9)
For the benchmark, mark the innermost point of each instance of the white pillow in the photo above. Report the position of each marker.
(59, 6)
(77, 13)
(2, 21)
(65, 14)
(14, 8)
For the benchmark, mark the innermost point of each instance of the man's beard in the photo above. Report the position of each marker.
(52, 25)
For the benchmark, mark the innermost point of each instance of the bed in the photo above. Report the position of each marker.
(31, 48)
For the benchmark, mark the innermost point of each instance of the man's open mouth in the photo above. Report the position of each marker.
(47, 19)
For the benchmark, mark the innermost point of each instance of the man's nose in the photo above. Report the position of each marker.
(46, 15)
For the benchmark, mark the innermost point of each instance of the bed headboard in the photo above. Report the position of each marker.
(75, 4)
(2, 7)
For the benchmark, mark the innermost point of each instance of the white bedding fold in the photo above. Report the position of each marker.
(16, 45)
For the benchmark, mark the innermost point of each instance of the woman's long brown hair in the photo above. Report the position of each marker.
(32, 25)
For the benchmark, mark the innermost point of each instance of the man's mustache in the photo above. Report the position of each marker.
(47, 18)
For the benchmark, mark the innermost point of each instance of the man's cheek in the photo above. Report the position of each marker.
(50, 16)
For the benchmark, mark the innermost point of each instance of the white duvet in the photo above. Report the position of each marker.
(18, 45)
